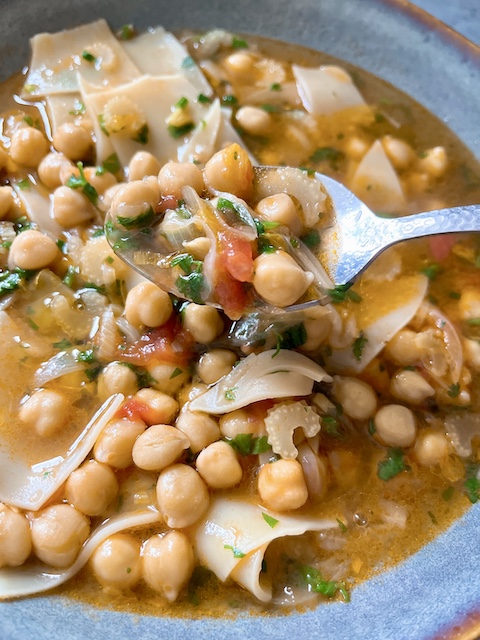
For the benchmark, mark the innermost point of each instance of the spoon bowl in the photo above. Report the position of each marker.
(181, 249)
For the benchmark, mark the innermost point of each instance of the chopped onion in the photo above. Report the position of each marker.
(393, 514)
(61, 364)
(461, 428)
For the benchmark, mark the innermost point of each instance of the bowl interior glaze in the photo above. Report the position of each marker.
(426, 596)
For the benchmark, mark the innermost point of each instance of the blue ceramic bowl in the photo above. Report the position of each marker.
(435, 593)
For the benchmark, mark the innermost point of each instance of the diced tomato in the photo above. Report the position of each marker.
(169, 343)
(237, 256)
(166, 203)
(440, 246)
(230, 293)
(133, 409)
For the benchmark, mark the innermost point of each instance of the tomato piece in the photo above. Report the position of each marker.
(440, 246)
(133, 409)
(166, 203)
(169, 343)
(237, 255)
(230, 293)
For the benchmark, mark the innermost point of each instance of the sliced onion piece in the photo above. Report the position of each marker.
(268, 375)
(461, 428)
(29, 487)
(16, 582)
(61, 364)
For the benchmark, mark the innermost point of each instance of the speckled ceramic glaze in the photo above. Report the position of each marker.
(438, 589)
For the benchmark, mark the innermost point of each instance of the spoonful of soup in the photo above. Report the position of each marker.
(246, 238)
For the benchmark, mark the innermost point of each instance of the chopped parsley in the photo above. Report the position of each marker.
(230, 394)
(333, 427)
(13, 280)
(182, 103)
(230, 100)
(89, 57)
(448, 493)
(144, 378)
(269, 519)
(472, 483)
(87, 356)
(342, 525)
(236, 552)
(359, 346)
(329, 588)
(63, 344)
(142, 220)
(182, 130)
(431, 270)
(69, 276)
(342, 293)
(270, 108)
(192, 283)
(176, 372)
(453, 390)
(203, 98)
(372, 429)
(329, 155)
(245, 444)
(291, 338)
(22, 224)
(392, 465)
(112, 163)
(238, 43)
(78, 108)
(142, 135)
(432, 517)
(311, 238)
(276, 86)
(103, 127)
(127, 32)
(80, 182)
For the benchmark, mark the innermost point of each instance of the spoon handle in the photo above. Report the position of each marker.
(453, 220)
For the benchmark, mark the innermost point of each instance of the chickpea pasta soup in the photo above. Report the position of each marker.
(215, 447)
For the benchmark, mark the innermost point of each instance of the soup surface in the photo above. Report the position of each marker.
(166, 456)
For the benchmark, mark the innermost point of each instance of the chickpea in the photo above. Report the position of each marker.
(116, 378)
(115, 443)
(134, 199)
(109, 195)
(159, 407)
(91, 488)
(410, 386)
(71, 207)
(168, 378)
(399, 152)
(143, 164)
(469, 304)
(168, 563)
(198, 247)
(395, 426)
(431, 447)
(236, 422)
(158, 447)
(15, 537)
(281, 209)
(356, 397)
(173, 176)
(254, 120)
(199, 428)
(356, 148)
(74, 141)
(117, 563)
(240, 64)
(46, 411)
(230, 170)
(58, 533)
(435, 162)
(278, 279)
(3, 157)
(402, 348)
(472, 353)
(6, 200)
(49, 169)
(203, 322)
(219, 466)
(215, 364)
(32, 249)
(281, 485)
(182, 496)
(28, 146)
(100, 181)
(148, 305)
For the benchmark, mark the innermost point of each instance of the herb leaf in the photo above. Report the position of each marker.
(269, 519)
(142, 220)
(246, 444)
(392, 465)
(359, 346)
(313, 578)
(80, 182)
(472, 483)
(236, 552)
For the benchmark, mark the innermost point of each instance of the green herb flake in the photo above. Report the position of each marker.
(472, 483)
(372, 429)
(176, 372)
(230, 394)
(432, 517)
(182, 103)
(69, 277)
(245, 444)
(448, 493)
(89, 57)
(269, 519)
(112, 164)
(103, 127)
(229, 100)
(238, 43)
(329, 155)
(431, 270)
(392, 465)
(359, 346)
(24, 184)
(63, 344)
(453, 390)
(28, 120)
(78, 108)
(80, 182)
(474, 322)
(129, 570)
(142, 220)
(142, 135)
(127, 32)
(270, 108)
(455, 295)
(308, 170)
(13, 280)
(343, 292)
(236, 552)
(329, 588)
(291, 338)
(332, 427)
(87, 356)
(342, 525)
(203, 99)
(33, 324)
(311, 238)
(178, 132)
(259, 445)
(276, 86)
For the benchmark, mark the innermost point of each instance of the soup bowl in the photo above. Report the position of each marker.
(436, 592)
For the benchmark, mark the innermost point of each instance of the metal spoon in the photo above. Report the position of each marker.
(353, 238)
